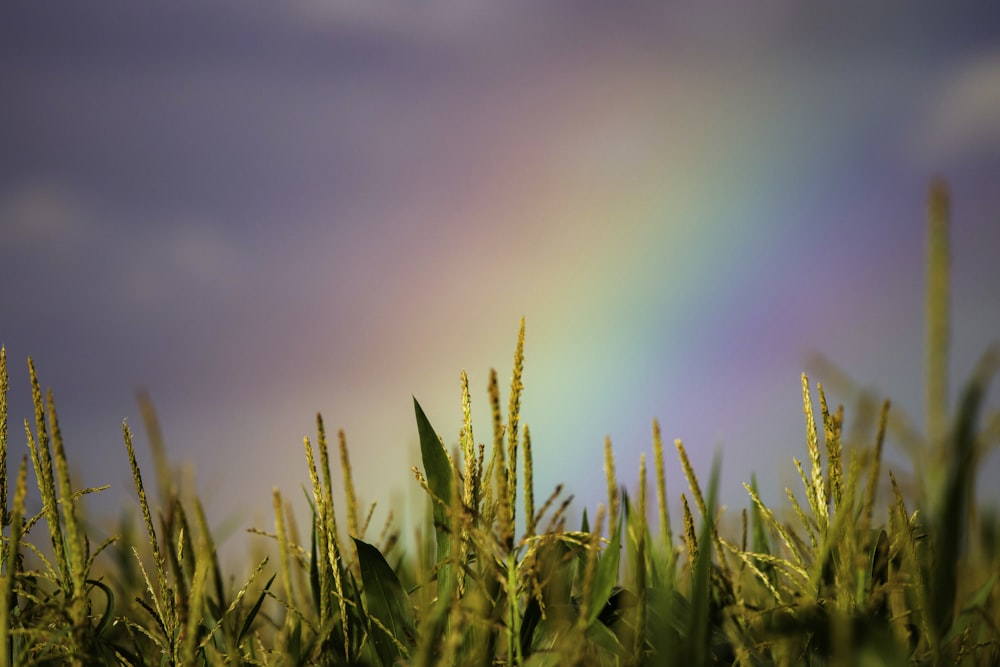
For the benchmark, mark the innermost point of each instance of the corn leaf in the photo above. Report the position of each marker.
(437, 469)
(606, 576)
(387, 602)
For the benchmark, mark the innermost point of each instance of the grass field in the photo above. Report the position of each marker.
(857, 573)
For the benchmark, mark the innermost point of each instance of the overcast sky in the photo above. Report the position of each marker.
(261, 210)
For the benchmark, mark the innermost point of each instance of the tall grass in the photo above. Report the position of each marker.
(850, 575)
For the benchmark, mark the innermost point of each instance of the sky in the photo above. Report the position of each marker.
(259, 211)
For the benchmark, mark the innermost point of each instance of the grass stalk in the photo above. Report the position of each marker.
(612, 484)
(12, 557)
(319, 572)
(4, 509)
(41, 456)
(74, 588)
(529, 485)
(284, 551)
(471, 474)
(838, 585)
(499, 464)
(513, 422)
(640, 567)
(163, 595)
(816, 488)
(692, 479)
(872, 489)
(349, 494)
(333, 549)
(834, 449)
(666, 533)
(938, 306)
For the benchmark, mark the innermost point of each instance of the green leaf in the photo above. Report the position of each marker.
(952, 510)
(701, 585)
(760, 544)
(530, 620)
(385, 601)
(437, 469)
(968, 612)
(606, 575)
(293, 642)
(981, 597)
(248, 621)
(604, 638)
(545, 659)
(878, 558)
(109, 606)
(668, 620)
(314, 570)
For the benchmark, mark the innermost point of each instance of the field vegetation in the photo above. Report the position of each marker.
(859, 572)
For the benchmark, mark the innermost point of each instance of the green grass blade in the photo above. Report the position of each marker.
(952, 514)
(437, 468)
(606, 575)
(701, 587)
(4, 510)
(248, 621)
(11, 549)
(972, 609)
(937, 307)
(386, 602)
(760, 542)
(314, 585)
(109, 606)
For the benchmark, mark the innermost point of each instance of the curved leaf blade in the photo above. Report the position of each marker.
(437, 469)
(386, 601)
(607, 574)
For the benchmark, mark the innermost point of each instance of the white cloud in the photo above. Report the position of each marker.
(435, 19)
(201, 253)
(39, 213)
(963, 118)
(170, 262)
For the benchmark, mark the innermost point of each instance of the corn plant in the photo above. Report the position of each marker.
(858, 568)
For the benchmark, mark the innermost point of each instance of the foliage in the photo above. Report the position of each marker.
(842, 579)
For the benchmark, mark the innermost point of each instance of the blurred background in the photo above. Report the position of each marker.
(258, 210)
